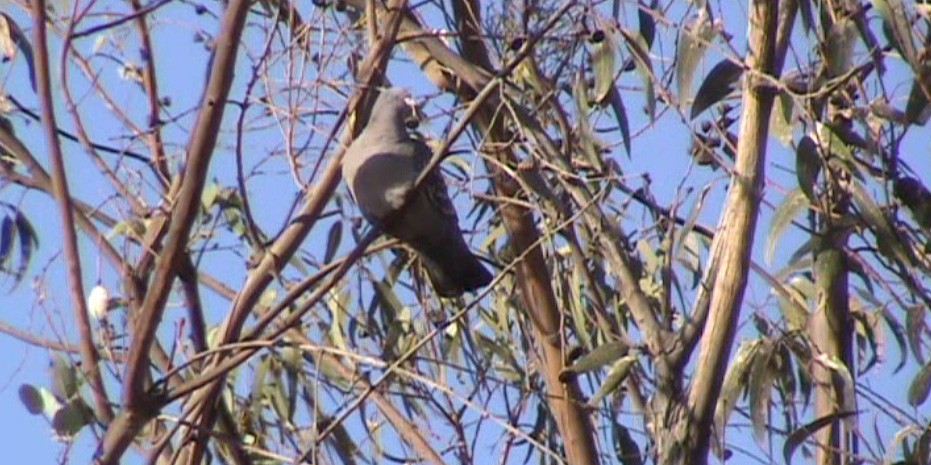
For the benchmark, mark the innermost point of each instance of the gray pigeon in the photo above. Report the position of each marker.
(380, 166)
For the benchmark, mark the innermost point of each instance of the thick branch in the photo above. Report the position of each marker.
(533, 277)
(734, 238)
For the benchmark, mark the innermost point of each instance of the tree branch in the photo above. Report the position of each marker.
(89, 356)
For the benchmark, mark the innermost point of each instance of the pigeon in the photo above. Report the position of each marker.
(381, 166)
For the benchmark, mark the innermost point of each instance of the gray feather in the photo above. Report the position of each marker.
(380, 166)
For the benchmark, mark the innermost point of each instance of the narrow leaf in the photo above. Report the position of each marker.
(917, 110)
(604, 59)
(921, 385)
(761, 382)
(896, 27)
(693, 41)
(598, 357)
(719, 83)
(7, 234)
(620, 113)
(334, 237)
(627, 450)
(780, 125)
(647, 23)
(798, 437)
(887, 241)
(792, 204)
(639, 49)
(615, 377)
(735, 381)
(807, 166)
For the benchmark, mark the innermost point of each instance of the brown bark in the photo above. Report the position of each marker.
(732, 243)
(533, 274)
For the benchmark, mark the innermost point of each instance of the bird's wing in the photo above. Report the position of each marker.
(434, 186)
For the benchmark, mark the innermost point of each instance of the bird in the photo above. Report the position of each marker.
(381, 166)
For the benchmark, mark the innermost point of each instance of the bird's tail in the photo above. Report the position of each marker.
(453, 269)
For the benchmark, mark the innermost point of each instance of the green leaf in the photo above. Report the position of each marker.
(761, 382)
(896, 27)
(210, 195)
(693, 41)
(604, 66)
(780, 124)
(839, 47)
(915, 327)
(599, 356)
(639, 49)
(73, 416)
(615, 377)
(792, 204)
(64, 378)
(719, 83)
(735, 381)
(586, 136)
(807, 166)
(258, 381)
(920, 386)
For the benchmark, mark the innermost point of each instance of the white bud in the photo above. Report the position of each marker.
(98, 302)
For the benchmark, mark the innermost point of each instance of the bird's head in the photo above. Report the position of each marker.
(397, 104)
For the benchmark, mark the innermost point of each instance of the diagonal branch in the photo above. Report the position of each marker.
(184, 211)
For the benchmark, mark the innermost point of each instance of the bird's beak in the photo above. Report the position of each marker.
(416, 113)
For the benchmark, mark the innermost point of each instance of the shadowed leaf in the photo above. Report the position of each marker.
(639, 49)
(31, 398)
(719, 83)
(920, 386)
(807, 166)
(797, 437)
(334, 237)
